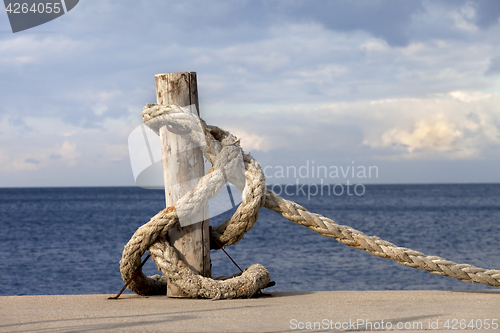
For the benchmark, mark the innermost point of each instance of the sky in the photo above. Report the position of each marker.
(409, 88)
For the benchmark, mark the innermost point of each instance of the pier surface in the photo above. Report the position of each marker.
(410, 311)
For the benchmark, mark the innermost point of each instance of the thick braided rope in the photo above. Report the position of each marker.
(221, 148)
(380, 248)
(230, 232)
(151, 235)
(244, 284)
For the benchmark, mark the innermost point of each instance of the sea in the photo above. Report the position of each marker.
(70, 240)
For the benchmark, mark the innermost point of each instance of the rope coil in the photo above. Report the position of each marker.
(222, 149)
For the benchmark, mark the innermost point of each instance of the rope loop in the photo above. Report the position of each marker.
(223, 150)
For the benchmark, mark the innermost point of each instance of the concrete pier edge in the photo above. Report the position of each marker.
(408, 311)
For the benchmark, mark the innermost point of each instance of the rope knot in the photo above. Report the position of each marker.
(229, 163)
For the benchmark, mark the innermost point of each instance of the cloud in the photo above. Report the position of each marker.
(117, 152)
(69, 153)
(52, 144)
(465, 17)
(379, 80)
(29, 49)
(249, 141)
(494, 67)
(470, 96)
(435, 133)
(32, 161)
(488, 13)
(40, 157)
(458, 125)
(387, 20)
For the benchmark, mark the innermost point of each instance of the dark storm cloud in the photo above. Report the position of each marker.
(385, 19)
(391, 20)
(218, 23)
(488, 13)
(494, 68)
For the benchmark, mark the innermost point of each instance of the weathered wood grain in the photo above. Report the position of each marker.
(181, 163)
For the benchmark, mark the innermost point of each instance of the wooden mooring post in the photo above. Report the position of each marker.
(181, 164)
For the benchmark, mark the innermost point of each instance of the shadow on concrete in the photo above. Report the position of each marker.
(290, 293)
(64, 325)
(477, 291)
(414, 324)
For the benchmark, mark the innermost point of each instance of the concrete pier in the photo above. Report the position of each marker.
(408, 311)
